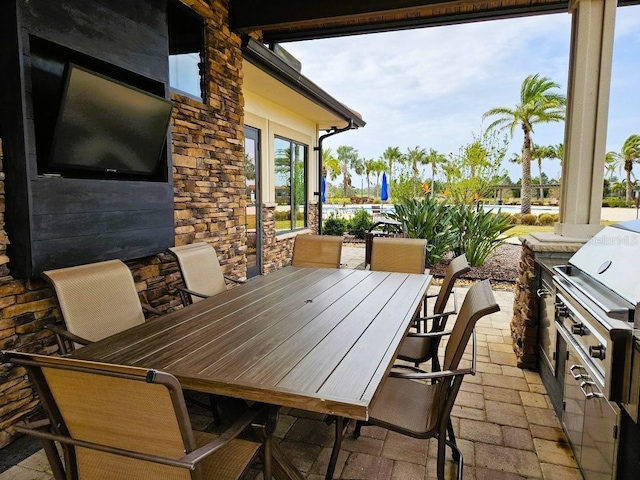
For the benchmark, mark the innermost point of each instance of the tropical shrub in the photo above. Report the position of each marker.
(334, 225)
(529, 219)
(429, 219)
(360, 223)
(545, 219)
(477, 232)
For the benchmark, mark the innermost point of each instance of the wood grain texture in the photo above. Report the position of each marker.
(313, 338)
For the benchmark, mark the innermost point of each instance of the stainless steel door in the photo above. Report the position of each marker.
(589, 420)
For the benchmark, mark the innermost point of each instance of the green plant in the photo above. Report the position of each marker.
(545, 219)
(529, 219)
(429, 219)
(360, 223)
(477, 232)
(334, 225)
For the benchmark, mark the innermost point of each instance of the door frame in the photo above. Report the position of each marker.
(253, 133)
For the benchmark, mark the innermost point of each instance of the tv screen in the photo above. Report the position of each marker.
(106, 126)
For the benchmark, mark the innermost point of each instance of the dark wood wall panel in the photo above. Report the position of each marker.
(76, 195)
(122, 245)
(12, 129)
(131, 34)
(55, 222)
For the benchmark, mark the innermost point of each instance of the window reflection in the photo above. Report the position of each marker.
(290, 184)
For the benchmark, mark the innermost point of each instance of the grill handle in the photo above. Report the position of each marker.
(590, 394)
(579, 376)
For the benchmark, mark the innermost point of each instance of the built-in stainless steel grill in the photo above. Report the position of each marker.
(597, 296)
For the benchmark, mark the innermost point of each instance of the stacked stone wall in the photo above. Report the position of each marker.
(524, 323)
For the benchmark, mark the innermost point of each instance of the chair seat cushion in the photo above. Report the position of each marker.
(417, 415)
(231, 461)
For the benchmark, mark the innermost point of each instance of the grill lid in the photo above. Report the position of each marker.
(612, 258)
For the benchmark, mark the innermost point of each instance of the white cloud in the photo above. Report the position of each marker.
(430, 86)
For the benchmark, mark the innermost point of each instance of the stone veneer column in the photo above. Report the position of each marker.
(525, 319)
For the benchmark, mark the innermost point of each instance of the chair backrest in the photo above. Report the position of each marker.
(126, 408)
(200, 269)
(478, 302)
(457, 267)
(97, 300)
(403, 255)
(323, 251)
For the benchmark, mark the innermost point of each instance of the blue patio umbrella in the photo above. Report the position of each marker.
(323, 190)
(384, 190)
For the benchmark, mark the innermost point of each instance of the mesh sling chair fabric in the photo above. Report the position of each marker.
(420, 347)
(405, 255)
(118, 422)
(200, 270)
(422, 410)
(97, 300)
(317, 251)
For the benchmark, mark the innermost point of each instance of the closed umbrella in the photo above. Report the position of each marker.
(384, 190)
(323, 190)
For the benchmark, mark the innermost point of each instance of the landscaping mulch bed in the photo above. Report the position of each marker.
(501, 265)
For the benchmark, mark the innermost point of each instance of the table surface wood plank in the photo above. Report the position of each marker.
(312, 338)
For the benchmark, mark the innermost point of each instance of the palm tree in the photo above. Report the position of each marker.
(629, 154)
(330, 165)
(610, 164)
(435, 159)
(390, 156)
(369, 168)
(539, 153)
(537, 105)
(377, 167)
(348, 160)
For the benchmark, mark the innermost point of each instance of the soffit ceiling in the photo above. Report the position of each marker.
(289, 20)
(266, 86)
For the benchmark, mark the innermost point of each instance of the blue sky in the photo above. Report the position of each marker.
(429, 87)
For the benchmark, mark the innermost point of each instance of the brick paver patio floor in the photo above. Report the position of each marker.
(504, 421)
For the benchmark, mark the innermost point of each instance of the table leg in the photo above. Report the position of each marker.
(282, 467)
(337, 444)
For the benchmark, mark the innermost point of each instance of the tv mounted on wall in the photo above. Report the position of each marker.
(108, 127)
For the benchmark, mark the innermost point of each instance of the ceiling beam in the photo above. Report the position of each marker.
(286, 20)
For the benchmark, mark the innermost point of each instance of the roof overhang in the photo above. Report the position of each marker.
(286, 20)
(270, 77)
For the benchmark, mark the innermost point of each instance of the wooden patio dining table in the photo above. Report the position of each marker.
(317, 339)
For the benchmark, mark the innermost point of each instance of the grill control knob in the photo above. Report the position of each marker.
(597, 351)
(578, 329)
(561, 309)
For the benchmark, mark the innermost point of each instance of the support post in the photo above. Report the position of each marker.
(592, 30)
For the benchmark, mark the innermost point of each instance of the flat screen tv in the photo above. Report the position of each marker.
(107, 126)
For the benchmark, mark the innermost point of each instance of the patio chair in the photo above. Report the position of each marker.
(120, 422)
(422, 410)
(97, 300)
(317, 251)
(421, 347)
(392, 254)
(201, 272)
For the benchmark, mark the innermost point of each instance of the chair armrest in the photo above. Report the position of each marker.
(229, 434)
(63, 334)
(429, 334)
(234, 280)
(148, 308)
(191, 292)
(432, 375)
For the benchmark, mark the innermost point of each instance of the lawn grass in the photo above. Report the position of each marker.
(519, 230)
